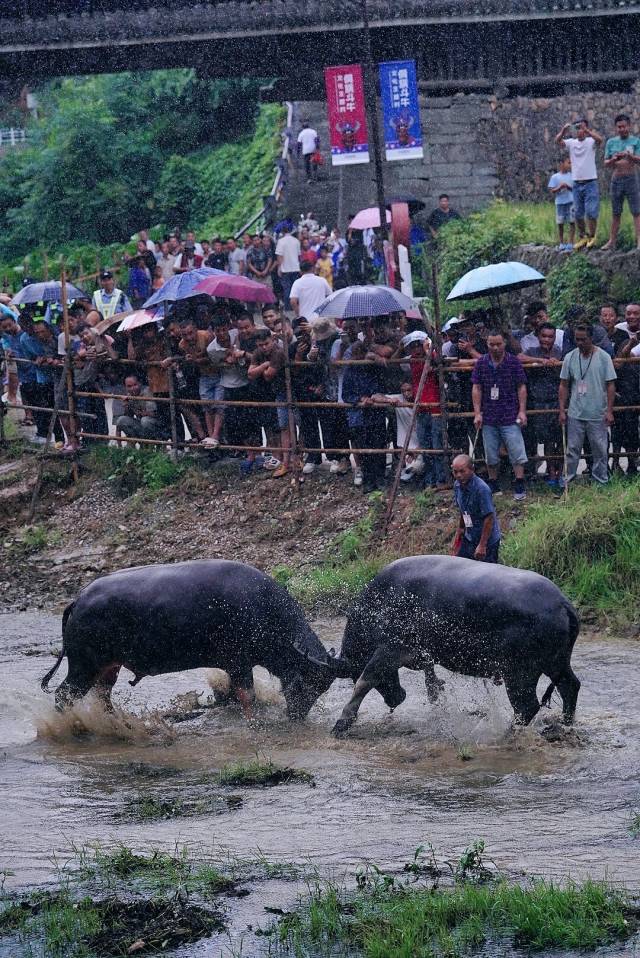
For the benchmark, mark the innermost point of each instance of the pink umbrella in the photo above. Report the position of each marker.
(139, 317)
(368, 219)
(236, 287)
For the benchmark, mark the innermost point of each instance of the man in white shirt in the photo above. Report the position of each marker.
(308, 143)
(236, 258)
(308, 292)
(586, 196)
(288, 260)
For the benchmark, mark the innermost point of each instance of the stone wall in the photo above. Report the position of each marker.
(477, 147)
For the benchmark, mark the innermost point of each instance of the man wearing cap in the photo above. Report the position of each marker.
(109, 300)
(478, 532)
(308, 292)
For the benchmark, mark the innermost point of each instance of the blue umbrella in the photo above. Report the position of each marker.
(50, 292)
(356, 301)
(495, 279)
(182, 286)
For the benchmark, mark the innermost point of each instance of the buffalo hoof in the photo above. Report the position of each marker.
(340, 729)
(393, 701)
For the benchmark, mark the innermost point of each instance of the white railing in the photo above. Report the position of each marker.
(12, 136)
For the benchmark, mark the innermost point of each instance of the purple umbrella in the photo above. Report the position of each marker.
(182, 286)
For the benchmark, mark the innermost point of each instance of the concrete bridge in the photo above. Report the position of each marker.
(514, 46)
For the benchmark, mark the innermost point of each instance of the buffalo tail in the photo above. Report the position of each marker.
(47, 678)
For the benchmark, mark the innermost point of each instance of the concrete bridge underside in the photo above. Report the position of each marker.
(460, 45)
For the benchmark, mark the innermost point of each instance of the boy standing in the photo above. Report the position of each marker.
(561, 186)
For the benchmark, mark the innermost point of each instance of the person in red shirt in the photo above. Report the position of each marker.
(307, 255)
(429, 422)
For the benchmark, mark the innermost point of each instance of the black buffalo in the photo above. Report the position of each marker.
(210, 613)
(470, 617)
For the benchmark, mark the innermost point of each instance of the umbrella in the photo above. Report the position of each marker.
(236, 287)
(356, 301)
(138, 317)
(495, 279)
(50, 292)
(415, 205)
(181, 286)
(368, 219)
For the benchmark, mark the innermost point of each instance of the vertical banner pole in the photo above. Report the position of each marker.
(372, 117)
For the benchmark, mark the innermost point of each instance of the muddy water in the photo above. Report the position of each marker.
(553, 808)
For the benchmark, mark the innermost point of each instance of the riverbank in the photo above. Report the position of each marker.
(321, 538)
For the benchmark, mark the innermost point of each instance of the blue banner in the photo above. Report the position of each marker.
(401, 110)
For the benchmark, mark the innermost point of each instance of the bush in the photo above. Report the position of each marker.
(576, 281)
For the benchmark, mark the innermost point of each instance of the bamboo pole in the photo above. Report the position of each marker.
(68, 370)
(294, 461)
(439, 362)
(50, 429)
(407, 439)
(173, 417)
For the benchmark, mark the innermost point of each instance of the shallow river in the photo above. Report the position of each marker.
(551, 808)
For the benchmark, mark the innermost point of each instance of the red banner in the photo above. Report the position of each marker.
(347, 117)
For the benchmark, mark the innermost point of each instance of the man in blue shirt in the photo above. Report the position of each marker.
(478, 533)
(622, 159)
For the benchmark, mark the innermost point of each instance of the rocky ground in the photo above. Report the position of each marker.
(86, 529)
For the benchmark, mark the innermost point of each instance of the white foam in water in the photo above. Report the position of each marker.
(88, 717)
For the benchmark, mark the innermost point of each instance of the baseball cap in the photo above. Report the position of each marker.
(106, 274)
(416, 337)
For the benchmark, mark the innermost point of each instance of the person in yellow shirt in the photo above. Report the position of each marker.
(324, 266)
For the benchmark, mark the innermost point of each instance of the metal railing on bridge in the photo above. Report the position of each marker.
(12, 136)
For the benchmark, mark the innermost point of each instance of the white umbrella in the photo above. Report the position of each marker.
(356, 301)
(497, 278)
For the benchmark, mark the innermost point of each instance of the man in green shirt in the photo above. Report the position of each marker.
(589, 370)
(622, 159)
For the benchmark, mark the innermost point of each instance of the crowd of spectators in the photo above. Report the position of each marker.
(511, 381)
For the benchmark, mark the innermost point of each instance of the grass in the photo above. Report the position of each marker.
(86, 926)
(634, 825)
(152, 808)
(32, 539)
(588, 547)
(390, 919)
(132, 469)
(350, 563)
(262, 774)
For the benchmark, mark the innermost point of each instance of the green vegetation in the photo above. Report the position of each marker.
(489, 235)
(588, 546)
(32, 539)
(575, 281)
(108, 901)
(152, 808)
(114, 153)
(133, 469)
(387, 918)
(634, 825)
(85, 926)
(261, 773)
(350, 564)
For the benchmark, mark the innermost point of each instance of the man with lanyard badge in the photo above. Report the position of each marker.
(478, 532)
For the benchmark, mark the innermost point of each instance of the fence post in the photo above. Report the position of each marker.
(173, 416)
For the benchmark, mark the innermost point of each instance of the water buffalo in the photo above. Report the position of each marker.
(209, 613)
(470, 617)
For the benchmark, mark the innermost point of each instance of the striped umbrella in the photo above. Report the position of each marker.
(356, 301)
